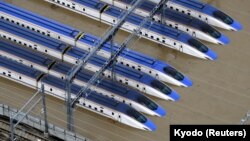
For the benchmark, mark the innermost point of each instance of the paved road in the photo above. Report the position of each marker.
(220, 95)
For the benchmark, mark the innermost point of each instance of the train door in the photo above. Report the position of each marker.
(194, 34)
(181, 48)
(119, 118)
(206, 20)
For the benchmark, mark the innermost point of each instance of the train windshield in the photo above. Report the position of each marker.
(174, 73)
(136, 115)
(211, 31)
(147, 102)
(224, 17)
(161, 87)
(198, 45)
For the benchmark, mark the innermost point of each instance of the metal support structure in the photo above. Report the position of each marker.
(46, 131)
(29, 106)
(113, 65)
(69, 108)
(111, 60)
(83, 60)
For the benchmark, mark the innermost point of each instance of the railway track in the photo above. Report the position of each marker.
(21, 132)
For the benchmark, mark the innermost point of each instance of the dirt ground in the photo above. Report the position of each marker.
(220, 95)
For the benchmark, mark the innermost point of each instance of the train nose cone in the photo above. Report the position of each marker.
(161, 112)
(187, 82)
(150, 125)
(174, 96)
(237, 26)
(224, 40)
(211, 55)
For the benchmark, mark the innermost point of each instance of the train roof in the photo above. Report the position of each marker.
(109, 85)
(93, 96)
(136, 19)
(38, 20)
(25, 53)
(20, 68)
(121, 69)
(32, 35)
(196, 5)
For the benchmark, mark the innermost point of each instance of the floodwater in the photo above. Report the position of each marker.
(220, 95)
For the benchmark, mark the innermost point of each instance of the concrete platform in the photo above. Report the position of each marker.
(220, 95)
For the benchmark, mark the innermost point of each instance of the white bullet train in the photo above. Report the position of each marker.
(153, 31)
(177, 20)
(124, 75)
(95, 102)
(204, 12)
(74, 37)
(106, 87)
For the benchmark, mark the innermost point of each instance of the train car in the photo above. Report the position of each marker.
(106, 87)
(111, 89)
(204, 12)
(177, 20)
(130, 58)
(153, 31)
(94, 102)
(125, 75)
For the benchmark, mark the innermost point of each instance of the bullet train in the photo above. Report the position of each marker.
(74, 37)
(174, 19)
(124, 75)
(113, 90)
(95, 102)
(106, 87)
(204, 12)
(156, 32)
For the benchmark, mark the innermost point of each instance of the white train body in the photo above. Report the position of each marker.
(84, 103)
